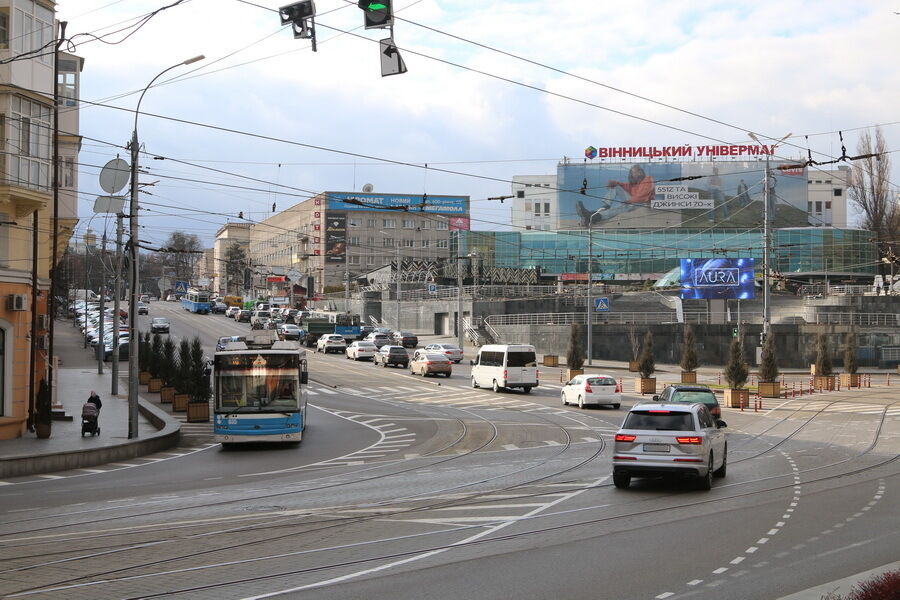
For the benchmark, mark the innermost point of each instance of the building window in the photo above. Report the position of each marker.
(408, 243)
(827, 207)
(443, 243)
(441, 225)
(353, 260)
(32, 30)
(423, 225)
(4, 28)
(547, 212)
(68, 178)
(370, 260)
(528, 207)
(2, 372)
(387, 243)
(521, 194)
(427, 244)
(67, 87)
(29, 162)
(838, 192)
(353, 222)
(370, 222)
(370, 242)
(808, 209)
(353, 240)
(818, 210)
(537, 210)
(389, 223)
(408, 224)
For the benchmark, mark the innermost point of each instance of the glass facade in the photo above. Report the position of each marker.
(802, 250)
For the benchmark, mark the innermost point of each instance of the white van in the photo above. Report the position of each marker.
(504, 366)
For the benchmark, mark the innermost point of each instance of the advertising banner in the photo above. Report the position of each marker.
(444, 205)
(335, 237)
(717, 278)
(458, 224)
(685, 194)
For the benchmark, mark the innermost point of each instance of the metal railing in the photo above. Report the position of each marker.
(471, 332)
(854, 318)
(494, 333)
(485, 291)
(640, 318)
(821, 289)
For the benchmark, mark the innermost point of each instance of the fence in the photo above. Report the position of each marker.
(641, 318)
(836, 290)
(854, 318)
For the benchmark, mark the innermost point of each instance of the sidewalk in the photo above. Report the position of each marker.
(67, 448)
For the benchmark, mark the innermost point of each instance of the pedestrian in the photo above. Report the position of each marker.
(95, 400)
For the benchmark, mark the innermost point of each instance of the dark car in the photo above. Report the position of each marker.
(243, 316)
(365, 330)
(690, 393)
(159, 325)
(219, 308)
(220, 345)
(391, 355)
(407, 339)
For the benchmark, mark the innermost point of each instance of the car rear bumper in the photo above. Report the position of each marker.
(603, 400)
(659, 470)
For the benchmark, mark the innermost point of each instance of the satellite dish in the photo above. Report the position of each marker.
(368, 188)
(115, 175)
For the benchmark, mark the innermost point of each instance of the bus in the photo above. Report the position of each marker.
(233, 301)
(259, 390)
(196, 301)
(345, 324)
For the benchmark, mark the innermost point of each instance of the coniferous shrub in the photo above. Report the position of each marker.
(736, 371)
(850, 363)
(575, 353)
(646, 364)
(155, 358)
(168, 365)
(201, 391)
(768, 367)
(689, 361)
(185, 382)
(823, 356)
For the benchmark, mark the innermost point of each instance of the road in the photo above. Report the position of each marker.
(407, 487)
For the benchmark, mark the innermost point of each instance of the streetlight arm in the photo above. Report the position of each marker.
(189, 61)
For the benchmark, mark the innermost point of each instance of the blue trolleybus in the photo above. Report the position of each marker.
(260, 391)
(196, 301)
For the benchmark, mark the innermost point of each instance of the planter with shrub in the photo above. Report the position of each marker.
(769, 386)
(736, 373)
(824, 377)
(646, 367)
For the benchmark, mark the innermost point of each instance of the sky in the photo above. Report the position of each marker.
(493, 90)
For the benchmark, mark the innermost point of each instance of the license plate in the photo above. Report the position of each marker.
(656, 447)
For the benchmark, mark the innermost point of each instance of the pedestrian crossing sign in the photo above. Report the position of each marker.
(181, 287)
(601, 304)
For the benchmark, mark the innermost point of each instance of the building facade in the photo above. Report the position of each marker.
(227, 236)
(534, 203)
(827, 204)
(335, 237)
(26, 197)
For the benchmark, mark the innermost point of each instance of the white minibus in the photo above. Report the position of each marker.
(504, 366)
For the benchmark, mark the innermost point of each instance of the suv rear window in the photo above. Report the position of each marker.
(398, 351)
(521, 359)
(707, 398)
(659, 421)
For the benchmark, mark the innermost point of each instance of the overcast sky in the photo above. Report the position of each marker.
(333, 123)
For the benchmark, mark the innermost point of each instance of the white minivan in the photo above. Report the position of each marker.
(504, 366)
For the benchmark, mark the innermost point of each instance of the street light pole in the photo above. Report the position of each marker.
(590, 295)
(134, 255)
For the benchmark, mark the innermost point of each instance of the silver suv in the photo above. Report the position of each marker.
(670, 439)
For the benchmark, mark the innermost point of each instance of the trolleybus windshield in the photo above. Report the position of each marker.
(257, 383)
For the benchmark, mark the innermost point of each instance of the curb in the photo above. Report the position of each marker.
(167, 436)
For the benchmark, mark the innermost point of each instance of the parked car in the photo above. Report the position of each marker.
(143, 309)
(592, 389)
(361, 350)
(331, 342)
(223, 341)
(259, 318)
(365, 330)
(231, 311)
(670, 439)
(379, 339)
(218, 308)
(123, 351)
(391, 355)
(431, 364)
(171, 298)
(243, 316)
(406, 339)
(451, 351)
(159, 325)
(288, 331)
(691, 393)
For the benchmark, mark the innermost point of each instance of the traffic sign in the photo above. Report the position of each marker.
(601, 304)
(432, 288)
(181, 287)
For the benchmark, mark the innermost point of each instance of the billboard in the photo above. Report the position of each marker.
(706, 278)
(686, 194)
(335, 237)
(442, 205)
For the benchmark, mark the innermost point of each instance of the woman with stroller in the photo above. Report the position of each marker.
(90, 413)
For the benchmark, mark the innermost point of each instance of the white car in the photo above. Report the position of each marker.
(361, 350)
(232, 311)
(451, 351)
(331, 342)
(592, 389)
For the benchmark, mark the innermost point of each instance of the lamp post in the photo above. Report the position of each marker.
(134, 254)
(766, 237)
(590, 295)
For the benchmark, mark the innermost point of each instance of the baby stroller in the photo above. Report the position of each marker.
(89, 415)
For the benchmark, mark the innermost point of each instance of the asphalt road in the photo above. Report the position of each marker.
(407, 487)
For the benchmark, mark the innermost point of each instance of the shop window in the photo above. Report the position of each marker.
(838, 192)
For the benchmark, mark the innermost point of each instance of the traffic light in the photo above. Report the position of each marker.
(301, 16)
(378, 13)
(734, 332)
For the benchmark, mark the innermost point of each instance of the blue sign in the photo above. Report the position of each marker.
(432, 288)
(717, 278)
(181, 287)
(601, 304)
(446, 205)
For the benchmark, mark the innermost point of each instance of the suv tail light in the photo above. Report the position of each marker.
(624, 437)
(689, 440)
(588, 389)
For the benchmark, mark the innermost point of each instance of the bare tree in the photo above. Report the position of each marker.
(870, 190)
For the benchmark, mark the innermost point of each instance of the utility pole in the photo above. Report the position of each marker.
(114, 389)
(459, 298)
(399, 279)
(101, 345)
(590, 295)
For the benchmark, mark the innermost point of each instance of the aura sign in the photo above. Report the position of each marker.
(705, 278)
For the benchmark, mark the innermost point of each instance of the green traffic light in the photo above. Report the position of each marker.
(376, 6)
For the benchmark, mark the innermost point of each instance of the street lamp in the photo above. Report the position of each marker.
(134, 279)
(590, 296)
(766, 236)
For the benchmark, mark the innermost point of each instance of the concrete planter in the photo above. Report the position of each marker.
(737, 398)
(166, 395)
(144, 377)
(180, 402)
(689, 377)
(824, 382)
(154, 385)
(849, 380)
(570, 373)
(645, 385)
(42, 430)
(634, 366)
(551, 360)
(769, 390)
(198, 412)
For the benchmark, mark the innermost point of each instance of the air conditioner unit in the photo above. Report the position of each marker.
(43, 322)
(43, 342)
(17, 302)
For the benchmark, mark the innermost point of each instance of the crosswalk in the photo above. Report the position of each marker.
(827, 406)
